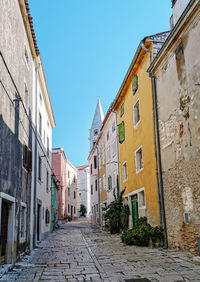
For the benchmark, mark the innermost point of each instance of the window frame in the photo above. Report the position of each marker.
(135, 124)
(124, 180)
(136, 163)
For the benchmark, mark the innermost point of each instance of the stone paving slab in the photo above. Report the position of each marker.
(82, 252)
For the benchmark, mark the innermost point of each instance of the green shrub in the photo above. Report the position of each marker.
(83, 210)
(142, 234)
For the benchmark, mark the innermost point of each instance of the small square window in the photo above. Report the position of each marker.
(96, 132)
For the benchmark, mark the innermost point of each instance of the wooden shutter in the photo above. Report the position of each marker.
(121, 132)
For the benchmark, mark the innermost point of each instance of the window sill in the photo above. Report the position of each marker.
(135, 125)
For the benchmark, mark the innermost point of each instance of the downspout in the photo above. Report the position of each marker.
(35, 164)
(159, 160)
(158, 153)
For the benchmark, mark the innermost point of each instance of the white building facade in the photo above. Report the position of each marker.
(71, 190)
(83, 188)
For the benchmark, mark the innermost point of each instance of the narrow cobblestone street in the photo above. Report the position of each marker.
(81, 252)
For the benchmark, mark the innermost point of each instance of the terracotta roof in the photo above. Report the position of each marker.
(30, 19)
(82, 167)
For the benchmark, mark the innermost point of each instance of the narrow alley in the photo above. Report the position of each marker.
(79, 251)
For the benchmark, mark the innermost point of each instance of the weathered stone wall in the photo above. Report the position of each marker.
(179, 115)
(14, 125)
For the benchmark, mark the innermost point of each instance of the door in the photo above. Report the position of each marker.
(71, 212)
(4, 231)
(38, 222)
(134, 205)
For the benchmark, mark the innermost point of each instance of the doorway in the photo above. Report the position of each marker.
(38, 222)
(134, 207)
(4, 231)
(72, 212)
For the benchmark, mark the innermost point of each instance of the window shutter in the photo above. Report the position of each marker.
(29, 160)
(135, 84)
(25, 156)
(121, 110)
(121, 132)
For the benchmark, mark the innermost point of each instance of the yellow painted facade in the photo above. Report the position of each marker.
(140, 185)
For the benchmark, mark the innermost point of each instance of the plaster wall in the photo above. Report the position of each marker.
(82, 188)
(71, 185)
(15, 130)
(179, 107)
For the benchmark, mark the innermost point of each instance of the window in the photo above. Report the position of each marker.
(74, 179)
(26, 95)
(139, 159)
(121, 132)
(94, 144)
(39, 168)
(68, 173)
(124, 171)
(113, 127)
(141, 199)
(121, 110)
(135, 84)
(74, 195)
(107, 136)
(96, 132)
(47, 216)
(27, 158)
(97, 207)
(104, 182)
(136, 113)
(74, 209)
(68, 208)
(47, 181)
(91, 189)
(108, 154)
(96, 185)
(91, 169)
(23, 221)
(68, 191)
(40, 124)
(95, 162)
(26, 55)
(114, 147)
(109, 182)
(80, 195)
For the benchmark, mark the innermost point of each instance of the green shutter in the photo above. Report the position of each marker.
(135, 84)
(121, 132)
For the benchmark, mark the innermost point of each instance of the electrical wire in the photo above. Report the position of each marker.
(19, 96)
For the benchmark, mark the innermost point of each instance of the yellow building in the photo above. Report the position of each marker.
(134, 107)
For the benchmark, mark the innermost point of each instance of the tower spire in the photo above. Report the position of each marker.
(96, 124)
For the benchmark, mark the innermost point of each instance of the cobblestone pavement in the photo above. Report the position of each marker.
(81, 252)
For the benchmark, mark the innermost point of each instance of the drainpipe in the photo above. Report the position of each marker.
(35, 164)
(161, 194)
(159, 160)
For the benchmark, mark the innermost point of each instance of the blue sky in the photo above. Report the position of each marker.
(87, 47)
